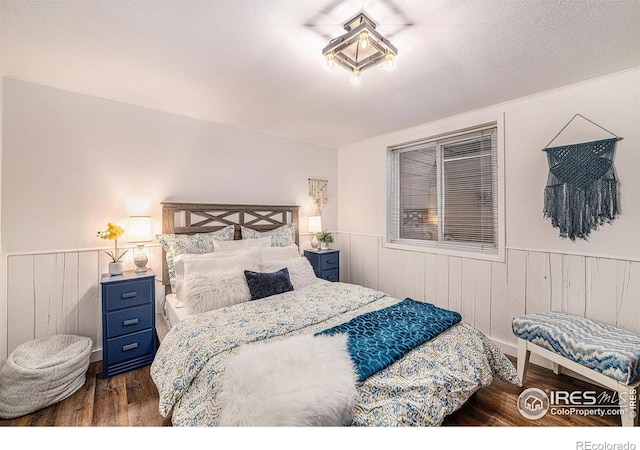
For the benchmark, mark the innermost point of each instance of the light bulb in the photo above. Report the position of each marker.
(389, 60)
(364, 40)
(330, 60)
(355, 78)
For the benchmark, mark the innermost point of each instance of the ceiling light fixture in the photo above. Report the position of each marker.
(360, 48)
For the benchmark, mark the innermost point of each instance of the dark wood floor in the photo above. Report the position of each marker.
(496, 405)
(131, 400)
(126, 400)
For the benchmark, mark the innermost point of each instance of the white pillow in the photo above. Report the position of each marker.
(242, 244)
(270, 255)
(201, 293)
(301, 273)
(210, 264)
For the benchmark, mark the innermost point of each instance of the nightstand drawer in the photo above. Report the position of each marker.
(331, 274)
(329, 261)
(132, 293)
(129, 320)
(131, 346)
(325, 263)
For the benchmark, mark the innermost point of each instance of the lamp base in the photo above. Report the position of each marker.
(141, 260)
(314, 242)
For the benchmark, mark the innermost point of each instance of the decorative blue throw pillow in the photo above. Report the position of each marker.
(262, 284)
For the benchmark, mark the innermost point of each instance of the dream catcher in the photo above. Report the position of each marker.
(582, 189)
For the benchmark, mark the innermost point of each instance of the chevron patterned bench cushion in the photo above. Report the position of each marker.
(603, 348)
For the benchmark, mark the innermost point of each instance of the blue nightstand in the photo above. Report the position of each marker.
(128, 321)
(325, 263)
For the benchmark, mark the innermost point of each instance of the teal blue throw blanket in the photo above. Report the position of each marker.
(379, 338)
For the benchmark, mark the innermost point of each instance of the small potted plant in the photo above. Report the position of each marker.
(113, 232)
(325, 238)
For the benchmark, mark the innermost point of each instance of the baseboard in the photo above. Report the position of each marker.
(96, 355)
(507, 349)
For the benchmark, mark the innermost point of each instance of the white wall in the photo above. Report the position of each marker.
(530, 123)
(598, 278)
(73, 162)
(3, 272)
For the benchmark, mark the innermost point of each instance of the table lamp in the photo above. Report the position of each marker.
(138, 233)
(315, 226)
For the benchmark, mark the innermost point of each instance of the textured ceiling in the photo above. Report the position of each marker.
(257, 64)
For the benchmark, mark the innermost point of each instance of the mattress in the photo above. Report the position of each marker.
(174, 311)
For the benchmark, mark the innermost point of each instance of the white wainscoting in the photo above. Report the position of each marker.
(489, 294)
(54, 293)
(59, 293)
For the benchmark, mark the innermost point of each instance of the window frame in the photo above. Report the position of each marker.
(454, 128)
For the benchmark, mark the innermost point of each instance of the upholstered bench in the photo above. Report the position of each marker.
(604, 354)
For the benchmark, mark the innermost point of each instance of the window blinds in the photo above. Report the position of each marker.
(443, 191)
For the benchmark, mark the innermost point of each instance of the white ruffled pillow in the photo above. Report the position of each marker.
(301, 273)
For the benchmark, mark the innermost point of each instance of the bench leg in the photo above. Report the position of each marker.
(523, 359)
(628, 404)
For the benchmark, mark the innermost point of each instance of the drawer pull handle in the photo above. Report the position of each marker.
(130, 322)
(130, 347)
(329, 261)
(129, 294)
(330, 277)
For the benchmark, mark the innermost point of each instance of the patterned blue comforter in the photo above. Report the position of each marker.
(380, 338)
(421, 388)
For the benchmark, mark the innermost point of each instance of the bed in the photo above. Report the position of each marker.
(261, 340)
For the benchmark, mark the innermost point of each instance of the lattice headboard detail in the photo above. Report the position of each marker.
(190, 218)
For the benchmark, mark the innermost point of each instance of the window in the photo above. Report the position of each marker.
(443, 191)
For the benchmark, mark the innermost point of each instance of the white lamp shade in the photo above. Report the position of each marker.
(315, 224)
(139, 229)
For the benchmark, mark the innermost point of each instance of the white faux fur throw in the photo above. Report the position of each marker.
(202, 293)
(299, 381)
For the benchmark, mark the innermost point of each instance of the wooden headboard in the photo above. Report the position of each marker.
(190, 218)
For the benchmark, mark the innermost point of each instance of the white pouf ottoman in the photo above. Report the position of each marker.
(42, 372)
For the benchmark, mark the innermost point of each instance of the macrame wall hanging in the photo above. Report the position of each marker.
(318, 192)
(582, 189)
